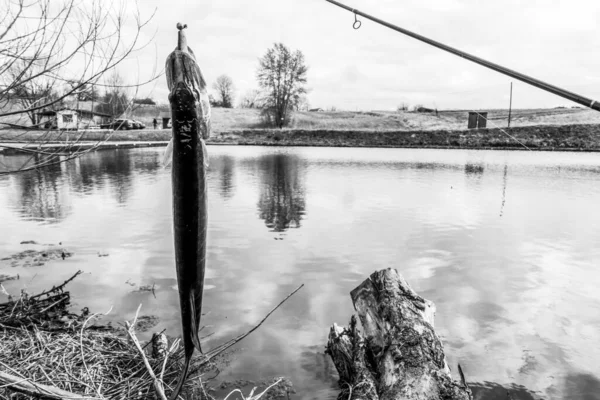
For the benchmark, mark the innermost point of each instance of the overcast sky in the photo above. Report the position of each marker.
(375, 68)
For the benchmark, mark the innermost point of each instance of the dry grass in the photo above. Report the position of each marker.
(48, 350)
(42, 343)
(224, 119)
(237, 119)
(88, 362)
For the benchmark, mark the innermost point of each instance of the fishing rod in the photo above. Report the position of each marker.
(593, 104)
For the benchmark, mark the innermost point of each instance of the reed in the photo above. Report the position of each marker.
(49, 352)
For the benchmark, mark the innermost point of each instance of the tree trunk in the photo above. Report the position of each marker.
(397, 355)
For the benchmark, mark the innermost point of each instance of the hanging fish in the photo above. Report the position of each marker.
(190, 115)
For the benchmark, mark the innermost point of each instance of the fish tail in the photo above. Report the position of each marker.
(186, 367)
(195, 325)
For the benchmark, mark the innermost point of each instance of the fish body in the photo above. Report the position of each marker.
(190, 115)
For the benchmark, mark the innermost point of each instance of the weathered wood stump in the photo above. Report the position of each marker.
(398, 354)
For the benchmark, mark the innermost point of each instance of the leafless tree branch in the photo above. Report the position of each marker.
(52, 50)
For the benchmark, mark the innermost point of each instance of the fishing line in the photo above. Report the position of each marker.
(587, 102)
(502, 130)
(489, 120)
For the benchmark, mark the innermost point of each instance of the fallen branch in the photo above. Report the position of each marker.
(47, 309)
(158, 384)
(59, 288)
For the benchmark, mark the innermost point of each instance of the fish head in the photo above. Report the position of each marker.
(185, 79)
(184, 98)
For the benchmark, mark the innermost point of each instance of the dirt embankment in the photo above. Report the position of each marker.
(568, 137)
(541, 137)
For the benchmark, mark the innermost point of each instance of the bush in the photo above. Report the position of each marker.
(268, 118)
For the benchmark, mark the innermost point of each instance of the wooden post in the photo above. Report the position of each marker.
(398, 354)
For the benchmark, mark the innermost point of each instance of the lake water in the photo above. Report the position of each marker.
(505, 243)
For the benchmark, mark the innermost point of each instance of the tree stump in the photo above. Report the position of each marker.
(397, 355)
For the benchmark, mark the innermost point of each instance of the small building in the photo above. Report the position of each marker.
(92, 119)
(69, 119)
(165, 117)
(477, 120)
(65, 119)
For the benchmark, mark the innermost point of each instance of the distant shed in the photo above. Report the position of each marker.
(65, 119)
(477, 119)
(165, 116)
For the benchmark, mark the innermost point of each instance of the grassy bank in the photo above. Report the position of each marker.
(224, 120)
(568, 137)
(542, 129)
(557, 137)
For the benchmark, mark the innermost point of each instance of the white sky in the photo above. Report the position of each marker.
(376, 68)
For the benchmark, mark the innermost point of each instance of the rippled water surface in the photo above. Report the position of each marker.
(505, 243)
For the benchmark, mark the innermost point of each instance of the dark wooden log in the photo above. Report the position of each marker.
(397, 355)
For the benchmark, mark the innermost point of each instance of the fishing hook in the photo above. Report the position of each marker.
(357, 23)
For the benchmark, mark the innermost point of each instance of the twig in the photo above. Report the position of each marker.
(59, 287)
(219, 349)
(172, 349)
(250, 396)
(158, 385)
(53, 304)
(462, 377)
(37, 389)
(81, 341)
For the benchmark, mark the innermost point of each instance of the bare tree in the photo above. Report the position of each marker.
(282, 74)
(224, 88)
(301, 104)
(86, 92)
(31, 92)
(53, 50)
(115, 100)
(252, 99)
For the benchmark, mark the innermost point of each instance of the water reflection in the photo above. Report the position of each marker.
(504, 287)
(575, 386)
(117, 168)
(504, 181)
(225, 166)
(39, 193)
(581, 387)
(45, 193)
(282, 198)
(474, 169)
(494, 391)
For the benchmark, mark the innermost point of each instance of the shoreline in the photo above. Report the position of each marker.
(573, 138)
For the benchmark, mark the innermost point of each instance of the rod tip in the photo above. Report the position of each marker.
(181, 26)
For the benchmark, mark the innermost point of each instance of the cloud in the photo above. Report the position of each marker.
(375, 67)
